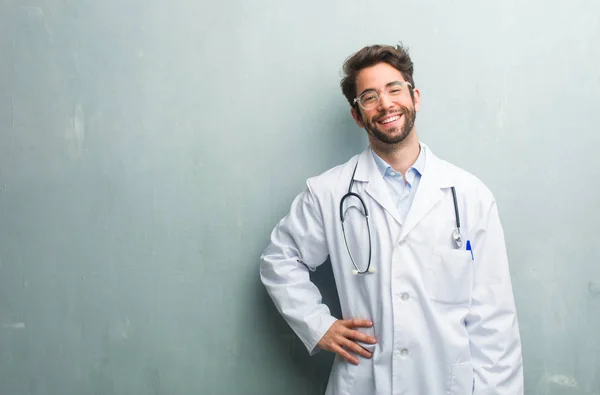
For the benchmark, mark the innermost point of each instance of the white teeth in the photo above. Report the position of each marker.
(392, 119)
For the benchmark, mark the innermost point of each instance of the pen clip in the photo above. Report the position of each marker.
(468, 248)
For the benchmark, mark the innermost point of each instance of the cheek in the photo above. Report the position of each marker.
(416, 104)
(370, 116)
(409, 108)
(359, 117)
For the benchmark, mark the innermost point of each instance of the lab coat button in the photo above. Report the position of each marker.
(404, 296)
(404, 353)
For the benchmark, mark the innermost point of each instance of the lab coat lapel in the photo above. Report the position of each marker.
(375, 187)
(435, 177)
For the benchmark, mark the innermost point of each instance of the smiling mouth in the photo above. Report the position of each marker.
(390, 120)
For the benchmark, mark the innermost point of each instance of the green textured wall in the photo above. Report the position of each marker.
(147, 148)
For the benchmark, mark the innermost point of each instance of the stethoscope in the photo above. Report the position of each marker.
(456, 233)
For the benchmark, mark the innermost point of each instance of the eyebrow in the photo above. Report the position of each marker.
(386, 85)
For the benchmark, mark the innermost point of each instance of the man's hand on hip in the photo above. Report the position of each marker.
(341, 339)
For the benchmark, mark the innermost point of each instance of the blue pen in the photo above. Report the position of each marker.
(470, 249)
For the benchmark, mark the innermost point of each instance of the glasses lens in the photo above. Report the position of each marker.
(369, 100)
(396, 90)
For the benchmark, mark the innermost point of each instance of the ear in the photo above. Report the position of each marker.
(417, 99)
(357, 117)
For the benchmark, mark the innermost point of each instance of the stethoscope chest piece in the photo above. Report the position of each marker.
(456, 236)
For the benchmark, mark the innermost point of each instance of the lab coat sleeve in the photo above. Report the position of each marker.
(297, 245)
(492, 321)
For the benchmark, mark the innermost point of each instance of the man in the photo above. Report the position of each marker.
(417, 251)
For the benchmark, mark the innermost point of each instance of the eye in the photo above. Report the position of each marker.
(396, 89)
(369, 97)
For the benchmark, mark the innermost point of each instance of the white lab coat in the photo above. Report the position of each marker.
(445, 323)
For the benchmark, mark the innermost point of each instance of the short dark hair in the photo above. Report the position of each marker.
(397, 57)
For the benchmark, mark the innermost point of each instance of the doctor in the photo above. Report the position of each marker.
(417, 251)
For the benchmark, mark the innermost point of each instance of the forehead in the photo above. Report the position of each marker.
(376, 77)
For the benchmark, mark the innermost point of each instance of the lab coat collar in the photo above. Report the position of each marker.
(375, 187)
(436, 176)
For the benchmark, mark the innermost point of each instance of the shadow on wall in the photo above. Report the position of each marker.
(314, 370)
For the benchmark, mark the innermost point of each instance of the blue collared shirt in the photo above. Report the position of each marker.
(402, 190)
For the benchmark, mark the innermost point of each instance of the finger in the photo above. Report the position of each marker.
(345, 354)
(355, 348)
(359, 336)
(357, 323)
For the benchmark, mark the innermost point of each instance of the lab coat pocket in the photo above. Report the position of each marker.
(450, 276)
(363, 381)
(341, 377)
(461, 379)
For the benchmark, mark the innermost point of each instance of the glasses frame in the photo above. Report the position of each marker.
(358, 101)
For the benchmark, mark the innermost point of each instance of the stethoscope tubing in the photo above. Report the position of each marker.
(456, 234)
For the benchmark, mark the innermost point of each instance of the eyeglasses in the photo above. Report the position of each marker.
(370, 99)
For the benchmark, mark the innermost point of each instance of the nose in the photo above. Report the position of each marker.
(385, 102)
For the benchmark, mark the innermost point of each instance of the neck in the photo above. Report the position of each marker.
(400, 156)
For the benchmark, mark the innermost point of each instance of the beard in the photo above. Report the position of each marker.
(397, 134)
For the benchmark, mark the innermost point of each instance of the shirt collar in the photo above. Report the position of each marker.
(385, 169)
